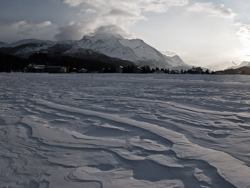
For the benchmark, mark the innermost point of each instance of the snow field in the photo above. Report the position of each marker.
(124, 130)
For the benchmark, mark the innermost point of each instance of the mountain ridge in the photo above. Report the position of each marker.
(243, 64)
(2, 44)
(114, 46)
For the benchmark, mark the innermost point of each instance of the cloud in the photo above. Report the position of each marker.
(89, 11)
(114, 29)
(76, 30)
(122, 13)
(144, 5)
(44, 24)
(23, 29)
(244, 34)
(236, 37)
(106, 14)
(169, 53)
(213, 9)
(160, 5)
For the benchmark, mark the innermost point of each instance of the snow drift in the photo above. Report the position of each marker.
(119, 130)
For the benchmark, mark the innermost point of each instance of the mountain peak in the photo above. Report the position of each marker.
(103, 36)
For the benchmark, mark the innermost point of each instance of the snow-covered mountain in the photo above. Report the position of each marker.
(24, 50)
(135, 50)
(30, 41)
(115, 46)
(177, 63)
(243, 64)
(3, 44)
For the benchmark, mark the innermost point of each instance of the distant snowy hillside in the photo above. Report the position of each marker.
(243, 64)
(3, 44)
(27, 47)
(177, 62)
(30, 41)
(135, 51)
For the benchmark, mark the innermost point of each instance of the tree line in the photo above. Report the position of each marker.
(10, 63)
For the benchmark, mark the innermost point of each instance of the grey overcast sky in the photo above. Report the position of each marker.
(213, 34)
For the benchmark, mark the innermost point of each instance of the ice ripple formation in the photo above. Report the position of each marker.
(116, 130)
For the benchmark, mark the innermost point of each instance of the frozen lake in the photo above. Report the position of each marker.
(124, 130)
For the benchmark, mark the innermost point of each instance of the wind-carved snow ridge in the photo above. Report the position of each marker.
(117, 131)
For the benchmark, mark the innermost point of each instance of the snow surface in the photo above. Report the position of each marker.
(124, 130)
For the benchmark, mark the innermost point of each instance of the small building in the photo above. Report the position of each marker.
(63, 70)
(73, 69)
(39, 68)
(197, 70)
(175, 72)
(82, 70)
(137, 70)
(53, 69)
(35, 68)
(119, 69)
(158, 71)
(219, 72)
(25, 69)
